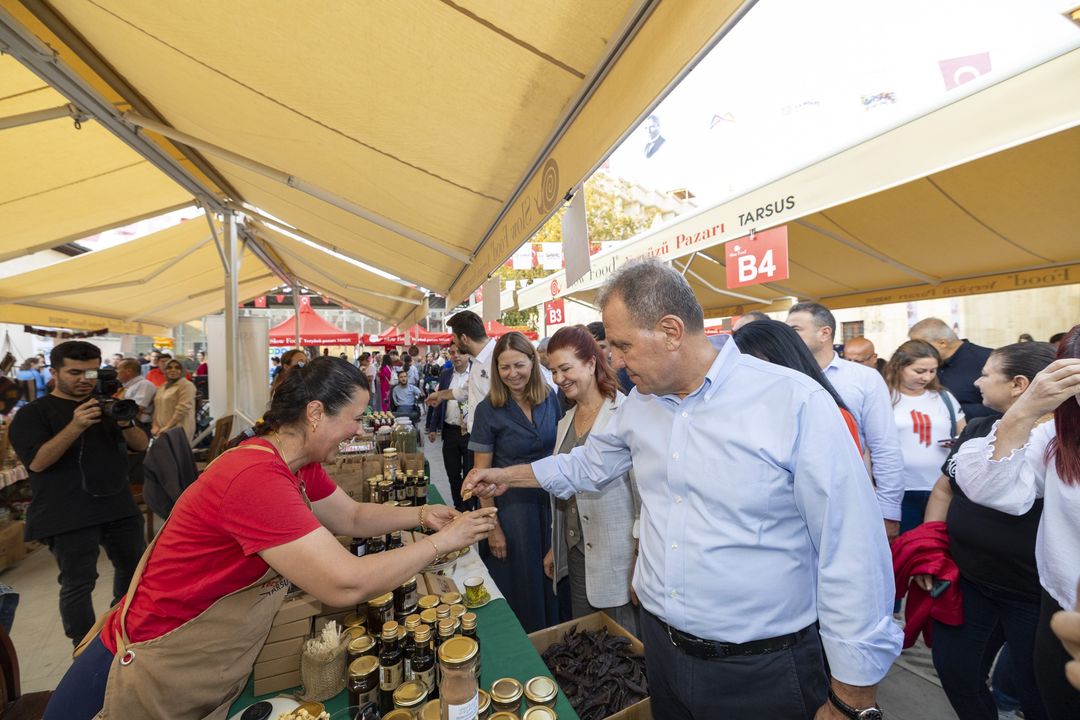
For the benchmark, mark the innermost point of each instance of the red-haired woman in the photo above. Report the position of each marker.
(1026, 456)
(592, 533)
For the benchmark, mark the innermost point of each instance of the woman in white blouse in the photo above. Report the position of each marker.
(1028, 456)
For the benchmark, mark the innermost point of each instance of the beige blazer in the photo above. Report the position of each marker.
(175, 406)
(607, 525)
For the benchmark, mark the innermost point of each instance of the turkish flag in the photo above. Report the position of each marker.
(305, 301)
(260, 302)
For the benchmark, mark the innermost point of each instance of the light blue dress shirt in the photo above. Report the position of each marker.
(757, 516)
(866, 395)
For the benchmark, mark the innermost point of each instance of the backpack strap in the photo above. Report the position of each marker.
(952, 412)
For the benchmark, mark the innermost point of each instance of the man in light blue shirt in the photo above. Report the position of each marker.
(758, 522)
(864, 392)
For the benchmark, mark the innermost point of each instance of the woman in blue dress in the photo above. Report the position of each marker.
(515, 424)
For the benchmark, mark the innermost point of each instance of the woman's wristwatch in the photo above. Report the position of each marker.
(870, 713)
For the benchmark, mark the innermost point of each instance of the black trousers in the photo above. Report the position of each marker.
(76, 554)
(1061, 699)
(458, 461)
(784, 685)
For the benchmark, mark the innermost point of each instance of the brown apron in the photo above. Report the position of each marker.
(198, 669)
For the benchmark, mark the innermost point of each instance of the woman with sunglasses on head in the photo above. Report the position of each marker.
(1034, 452)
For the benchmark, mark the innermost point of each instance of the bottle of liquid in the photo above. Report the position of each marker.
(391, 666)
(423, 662)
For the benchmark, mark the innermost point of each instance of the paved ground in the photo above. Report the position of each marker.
(910, 692)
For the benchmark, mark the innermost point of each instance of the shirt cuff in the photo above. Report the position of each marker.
(864, 661)
(546, 471)
(890, 510)
(479, 447)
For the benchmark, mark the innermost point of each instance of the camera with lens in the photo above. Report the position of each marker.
(107, 386)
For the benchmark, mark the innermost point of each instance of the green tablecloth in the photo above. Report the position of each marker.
(505, 651)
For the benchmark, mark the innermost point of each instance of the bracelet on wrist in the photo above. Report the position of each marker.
(437, 553)
(423, 518)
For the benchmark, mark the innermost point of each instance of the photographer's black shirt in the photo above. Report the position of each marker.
(87, 486)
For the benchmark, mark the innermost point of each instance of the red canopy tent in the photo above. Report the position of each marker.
(417, 335)
(387, 339)
(313, 331)
(496, 329)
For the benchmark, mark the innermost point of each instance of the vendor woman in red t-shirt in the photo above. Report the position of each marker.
(182, 642)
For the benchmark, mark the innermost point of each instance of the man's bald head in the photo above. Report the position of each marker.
(938, 334)
(860, 350)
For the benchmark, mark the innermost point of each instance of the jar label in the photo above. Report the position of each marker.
(390, 676)
(371, 696)
(427, 677)
(466, 711)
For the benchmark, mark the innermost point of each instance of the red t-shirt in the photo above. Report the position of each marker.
(247, 502)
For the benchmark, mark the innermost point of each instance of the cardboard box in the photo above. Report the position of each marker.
(438, 584)
(280, 649)
(295, 629)
(543, 639)
(279, 666)
(277, 683)
(12, 544)
(297, 608)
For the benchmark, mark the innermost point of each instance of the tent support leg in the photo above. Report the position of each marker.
(232, 312)
(296, 312)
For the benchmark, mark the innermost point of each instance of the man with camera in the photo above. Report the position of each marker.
(74, 443)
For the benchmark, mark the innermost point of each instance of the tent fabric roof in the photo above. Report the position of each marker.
(145, 286)
(444, 167)
(60, 183)
(314, 330)
(930, 209)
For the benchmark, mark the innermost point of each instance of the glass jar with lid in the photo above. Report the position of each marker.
(541, 690)
(380, 611)
(410, 695)
(503, 715)
(506, 695)
(430, 711)
(540, 712)
(404, 436)
(457, 679)
(483, 707)
(364, 681)
(363, 646)
(391, 464)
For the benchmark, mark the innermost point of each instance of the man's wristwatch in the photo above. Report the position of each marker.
(870, 713)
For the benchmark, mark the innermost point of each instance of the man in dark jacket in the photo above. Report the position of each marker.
(450, 418)
(961, 363)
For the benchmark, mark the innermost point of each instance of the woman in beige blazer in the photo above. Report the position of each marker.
(592, 539)
(174, 402)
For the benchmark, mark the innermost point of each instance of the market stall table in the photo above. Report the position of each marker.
(505, 649)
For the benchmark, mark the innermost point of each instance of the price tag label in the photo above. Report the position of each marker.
(761, 258)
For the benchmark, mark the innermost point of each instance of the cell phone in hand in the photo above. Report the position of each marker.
(939, 587)
(947, 442)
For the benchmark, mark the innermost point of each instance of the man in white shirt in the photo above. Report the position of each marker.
(470, 338)
(867, 398)
(450, 418)
(137, 388)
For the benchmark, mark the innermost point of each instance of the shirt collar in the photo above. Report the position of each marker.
(485, 354)
(722, 365)
(835, 364)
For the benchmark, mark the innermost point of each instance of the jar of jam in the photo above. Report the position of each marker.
(406, 597)
(450, 598)
(358, 547)
(395, 541)
(386, 490)
(541, 690)
(399, 714)
(428, 617)
(506, 695)
(483, 700)
(410, 695)
(428, 601)
(457, 610)
(358, 631)
(380, 611)
(364, 681)
(376, 544)
(430, 711)
(540, 712)
(354, 619)
(457, 679)
(503, 715)
(363, 646)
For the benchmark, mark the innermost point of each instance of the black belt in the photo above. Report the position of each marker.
(713, 649)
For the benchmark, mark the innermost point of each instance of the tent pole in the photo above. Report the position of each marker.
(232, 312)
(296, 312)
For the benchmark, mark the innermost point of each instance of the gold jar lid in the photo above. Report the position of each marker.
(423, 633)
(356, 632)
(355, 619)
(458, 650)
(401, 632)
(450, 598)
(505, 691)
(446, 627)
(468, 621)
(503, 715)
(364, 666)
(362, 644)
(390, 630)
(540, 712)
(398, 714)
(428, 601)
(410, 694)
(389, 451)
(483, 701)
(382, 600)
(431, 710)
(383, 484)
(457, 610)
(411, 621)
(429, 617)
(411, 581)
(541, 689)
